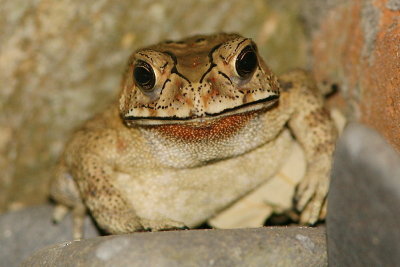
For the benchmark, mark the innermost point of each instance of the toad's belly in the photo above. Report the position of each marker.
(193, 195)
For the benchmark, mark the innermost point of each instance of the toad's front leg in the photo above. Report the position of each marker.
(312, 126)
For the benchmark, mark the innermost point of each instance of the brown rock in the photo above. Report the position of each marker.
(356, 46)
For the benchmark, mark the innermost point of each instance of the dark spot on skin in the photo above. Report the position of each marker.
(286, 86)
(92, 192)
(200, 40)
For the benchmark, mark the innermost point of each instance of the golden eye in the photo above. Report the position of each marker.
(246, 62)
(144, 75)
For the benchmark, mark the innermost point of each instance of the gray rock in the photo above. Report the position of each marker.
(23, 232)
(281, 246)
(363, 223)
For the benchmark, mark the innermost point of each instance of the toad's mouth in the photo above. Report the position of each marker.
(258, 105)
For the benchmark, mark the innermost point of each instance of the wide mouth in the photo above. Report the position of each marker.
(257, 105)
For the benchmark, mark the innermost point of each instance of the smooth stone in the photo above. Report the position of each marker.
(363, 223)
(275, 246)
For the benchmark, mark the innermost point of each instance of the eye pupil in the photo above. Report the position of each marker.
(144, 75)
(246, 62)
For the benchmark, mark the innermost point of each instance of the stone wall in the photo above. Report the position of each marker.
(355, 46)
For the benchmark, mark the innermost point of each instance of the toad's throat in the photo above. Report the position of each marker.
(217, 129)
(207, 118)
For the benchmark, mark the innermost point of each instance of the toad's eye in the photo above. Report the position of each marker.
(246, 62)
(144, 76)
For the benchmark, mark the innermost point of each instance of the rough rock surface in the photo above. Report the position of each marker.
(363, 223)
(25, 231)
(355, 47)
(291, 246)
(61, 61)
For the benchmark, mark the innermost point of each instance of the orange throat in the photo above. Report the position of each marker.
(219, 128)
